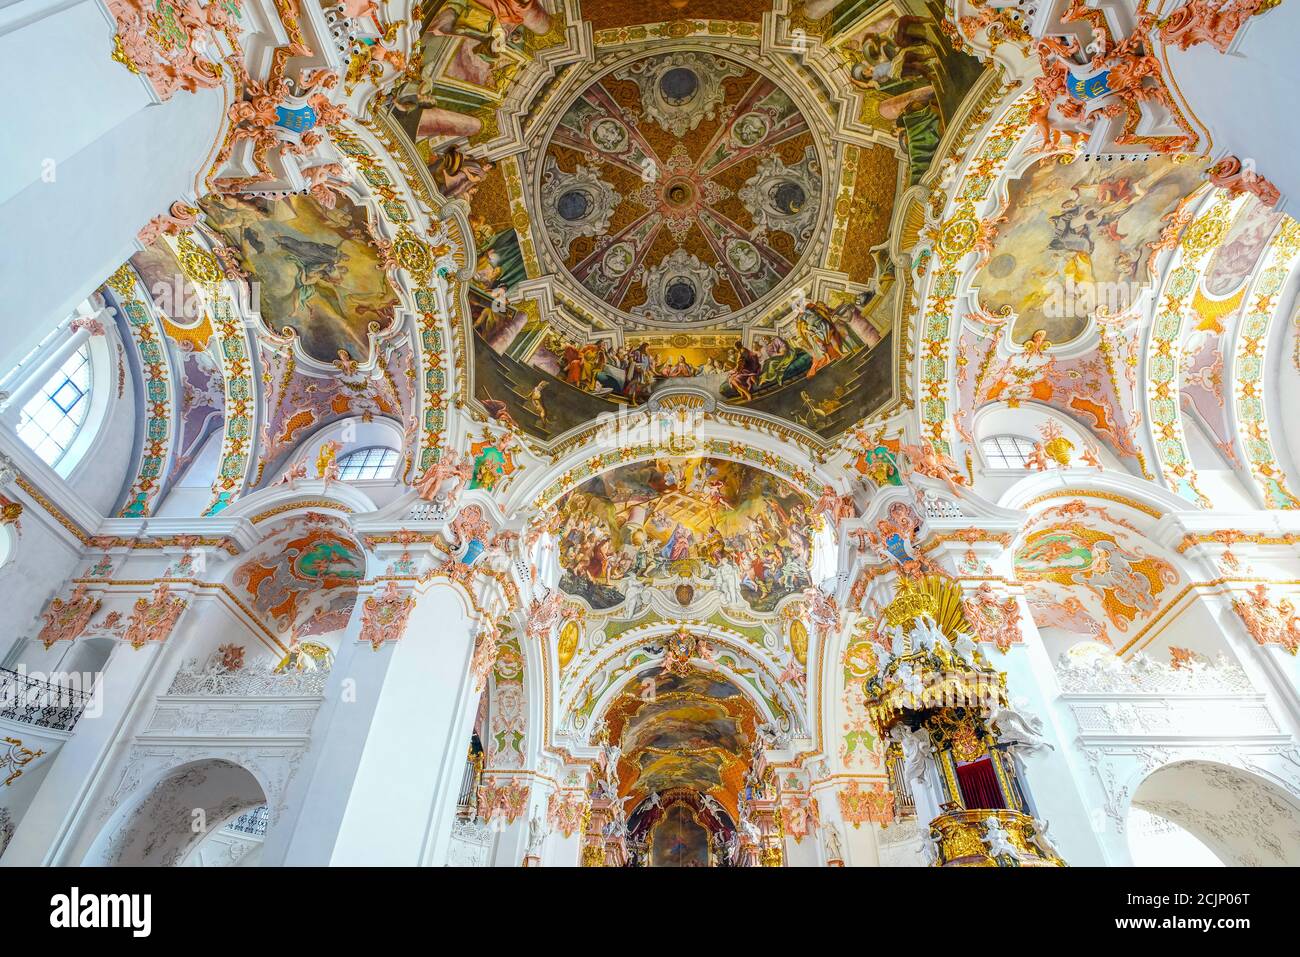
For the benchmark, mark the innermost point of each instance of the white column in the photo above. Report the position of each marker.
(85, 163)
(1055, 779)
(380, 783)
(48, 832)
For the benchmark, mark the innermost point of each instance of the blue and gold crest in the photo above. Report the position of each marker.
(297, 121)
(1089, 88)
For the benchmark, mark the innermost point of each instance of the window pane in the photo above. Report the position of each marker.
(50, 420)
(375, 462)
(1007, 451)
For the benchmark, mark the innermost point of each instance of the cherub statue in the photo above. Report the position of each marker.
(292, 474)
(445, 478)
(822, 609)
(1043, 839)
(909, 679)
(928, 461)
(999, 841)
(327, 466)
(835, 506)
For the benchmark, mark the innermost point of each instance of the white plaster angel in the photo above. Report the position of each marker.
(1018, 728)
(536, 835)
(928, 636)
(999, 841)
(910, 681)
(713, 807)
(966, 648)
(608, 760)
(883, 657)
(831, 841)
(916, 746)
(1042, 838)
(898, 647)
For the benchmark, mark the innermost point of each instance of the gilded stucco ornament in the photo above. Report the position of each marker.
(172, 44)
(383, 617)
(153, 619)
(993, 618)
(14, 758)
(565, 811)
(66, 619)
(1269, 623)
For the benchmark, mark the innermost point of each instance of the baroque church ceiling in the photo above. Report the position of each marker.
(832, 230)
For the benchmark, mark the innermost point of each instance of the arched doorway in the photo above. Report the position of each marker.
(185, 807)
(1241, 818)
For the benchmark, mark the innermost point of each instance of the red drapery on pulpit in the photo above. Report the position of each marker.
(979, 785)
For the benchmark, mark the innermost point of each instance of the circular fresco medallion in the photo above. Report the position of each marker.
(799, 641)
(680, 188)
(568, 643)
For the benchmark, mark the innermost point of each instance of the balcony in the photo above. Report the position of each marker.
(41, 703)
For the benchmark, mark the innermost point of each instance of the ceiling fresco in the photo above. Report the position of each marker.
(1074, 222)
(674, 165)
(189, 333)
(1218, 304)
(318, 274)
(822, 257)
(694, 734)
(685, 518)
(1091, 572)
(302, 579)
(651, 216)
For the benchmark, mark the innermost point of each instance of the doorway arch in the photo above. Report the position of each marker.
(1243, 818)
(187, 804)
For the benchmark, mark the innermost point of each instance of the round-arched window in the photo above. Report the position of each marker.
(1007, 451)
(51, 419)
(375, 462)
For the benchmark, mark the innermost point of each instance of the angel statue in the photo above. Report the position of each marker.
(444, 479)
(711, 805)
(1018, 728)
(911, 682)
(915, 745)
(536, 835)
(928, 636)
(965, 648)
(831, 839)
(999, 841)
(898, 641)
(1043, 839)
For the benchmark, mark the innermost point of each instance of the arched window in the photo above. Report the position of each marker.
(51, 418)
(1007, 451)
(375, 462)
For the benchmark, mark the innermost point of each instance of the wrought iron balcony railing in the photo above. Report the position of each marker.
(252, 822)
(44, 704)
